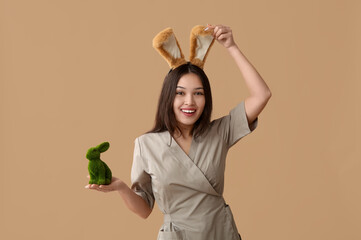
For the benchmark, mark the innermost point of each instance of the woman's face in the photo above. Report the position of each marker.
(189, 100)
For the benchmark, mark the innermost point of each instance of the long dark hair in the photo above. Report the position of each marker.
(165, 118)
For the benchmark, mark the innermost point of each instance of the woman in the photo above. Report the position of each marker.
(180, 163)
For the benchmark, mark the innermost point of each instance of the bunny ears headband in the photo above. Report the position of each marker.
(167, 45)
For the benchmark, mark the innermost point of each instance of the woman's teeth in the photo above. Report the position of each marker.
(188, 111)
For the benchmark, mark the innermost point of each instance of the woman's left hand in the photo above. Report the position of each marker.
(222, 34)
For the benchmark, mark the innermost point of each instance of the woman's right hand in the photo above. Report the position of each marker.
(115, 185)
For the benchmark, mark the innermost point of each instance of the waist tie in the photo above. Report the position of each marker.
(167, 218)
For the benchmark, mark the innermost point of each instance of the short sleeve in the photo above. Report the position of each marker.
(235, 125)
(140, 179)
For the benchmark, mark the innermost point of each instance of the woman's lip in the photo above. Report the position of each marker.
(188, 114)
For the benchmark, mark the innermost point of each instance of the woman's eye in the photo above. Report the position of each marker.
(199, 93)
(180, 93)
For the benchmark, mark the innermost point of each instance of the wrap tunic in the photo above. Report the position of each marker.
(188, 188)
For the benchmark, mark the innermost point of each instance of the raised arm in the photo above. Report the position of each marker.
(259, 91)
(134, 202)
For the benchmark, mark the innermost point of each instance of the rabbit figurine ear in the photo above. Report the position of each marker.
(167, 45)
(201, 42)
(103, 147)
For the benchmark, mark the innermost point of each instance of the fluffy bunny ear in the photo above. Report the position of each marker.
(167, 45)
(201, 42)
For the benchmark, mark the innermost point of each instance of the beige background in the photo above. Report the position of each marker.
(77, 73)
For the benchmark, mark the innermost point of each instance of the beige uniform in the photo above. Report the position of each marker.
(188, 188)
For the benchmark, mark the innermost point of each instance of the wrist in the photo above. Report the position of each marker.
(121, 186)
(232, 47)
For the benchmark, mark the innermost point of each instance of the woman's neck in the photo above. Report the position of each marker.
(185, 132)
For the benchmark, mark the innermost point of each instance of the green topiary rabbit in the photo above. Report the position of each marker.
(98, 170)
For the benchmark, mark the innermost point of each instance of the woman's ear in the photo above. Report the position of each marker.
(103, 147)
(168, 47)
(201, 43)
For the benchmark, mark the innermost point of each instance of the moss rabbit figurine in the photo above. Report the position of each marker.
(98, 170)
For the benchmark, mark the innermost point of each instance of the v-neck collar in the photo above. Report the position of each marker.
(192, 150)
(198, 181)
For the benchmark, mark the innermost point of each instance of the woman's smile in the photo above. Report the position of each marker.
(188, 111)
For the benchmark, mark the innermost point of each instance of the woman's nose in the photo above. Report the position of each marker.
(189, 100)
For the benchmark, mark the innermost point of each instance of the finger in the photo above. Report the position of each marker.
(210, 26)
(215, 27)
(215, 30)
(218, 28)
(225, 31)
(224, 36)
(91, 188)
(94, 186)
(218, 32)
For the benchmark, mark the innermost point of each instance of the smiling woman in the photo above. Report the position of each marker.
(186, 87)
(180, 162)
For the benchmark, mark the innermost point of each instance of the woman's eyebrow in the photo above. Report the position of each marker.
(194, 89)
